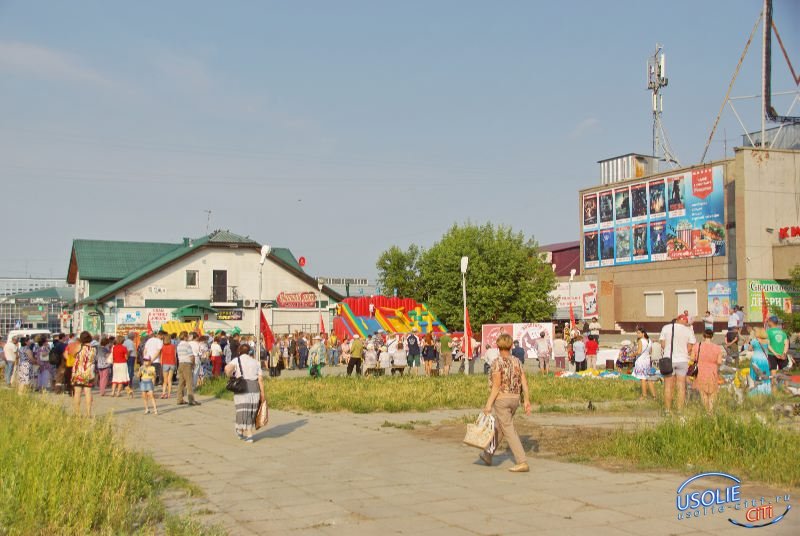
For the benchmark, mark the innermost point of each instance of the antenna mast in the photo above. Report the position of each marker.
(656, 80)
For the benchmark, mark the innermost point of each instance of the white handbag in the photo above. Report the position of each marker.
(481, 434)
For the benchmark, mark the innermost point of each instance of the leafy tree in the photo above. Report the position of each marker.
(506, 280)
(791, 321)
(397, 269)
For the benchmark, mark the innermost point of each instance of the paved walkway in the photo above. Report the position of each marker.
(344, 474)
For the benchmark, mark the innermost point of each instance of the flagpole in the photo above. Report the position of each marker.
(257, 332)
(464, 263)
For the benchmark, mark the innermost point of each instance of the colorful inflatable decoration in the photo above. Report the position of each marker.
(392, 315)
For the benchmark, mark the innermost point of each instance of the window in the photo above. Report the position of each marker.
(687, 301)
(654, 304)
(192, 279)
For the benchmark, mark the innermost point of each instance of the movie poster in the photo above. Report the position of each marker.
(607, 247)
(658, 206)
(658, 241)
(677, 197)
(590, 211)
(606, 200)
(622, 206)
(641, 249)
(591, 250)
(639, 202)
(623, 244)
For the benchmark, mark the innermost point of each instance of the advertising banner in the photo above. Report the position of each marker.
(525, 333)
(581, 294)
(678, 217)
(722, 298)
(230, 314)
(779, 294)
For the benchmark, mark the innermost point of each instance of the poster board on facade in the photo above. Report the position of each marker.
(721, 298)
(581, 294)
(230, 314)
(780, 295)
(677, 217)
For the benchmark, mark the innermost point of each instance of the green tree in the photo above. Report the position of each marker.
(791, 321)
(397, 269)
(506, 280)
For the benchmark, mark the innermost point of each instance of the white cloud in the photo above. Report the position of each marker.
(47, 63)
(584, 127)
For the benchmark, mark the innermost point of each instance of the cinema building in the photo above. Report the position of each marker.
(705, 237)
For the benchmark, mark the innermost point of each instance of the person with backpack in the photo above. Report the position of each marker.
(413, 351)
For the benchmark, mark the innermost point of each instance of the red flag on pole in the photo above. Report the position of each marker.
(149, 327)
(764, 308)
(321, 325)
(571, 316)
(266, 333)
(467, 335)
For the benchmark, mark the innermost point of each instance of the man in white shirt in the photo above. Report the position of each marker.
(740, 317)
(152, 349)
(10, 352)
(677, 339)
(594, 328)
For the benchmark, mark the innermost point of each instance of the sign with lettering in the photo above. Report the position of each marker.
(229, 314)
(297, 300)
(789, 232)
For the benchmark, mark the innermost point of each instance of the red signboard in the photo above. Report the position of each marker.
(786, 232)
(297, 300)
(702, 183)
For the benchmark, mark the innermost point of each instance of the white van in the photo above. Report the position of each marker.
(32, 333)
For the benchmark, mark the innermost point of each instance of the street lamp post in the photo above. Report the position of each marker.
(320, 284)
(464, 264)
(264, 254)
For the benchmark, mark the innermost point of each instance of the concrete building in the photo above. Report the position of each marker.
(124, 286)
(44, 308)
(701, 238)
(10, 286)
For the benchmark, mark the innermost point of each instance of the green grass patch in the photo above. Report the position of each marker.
(417, 393)
(742, 444)
(61, 474)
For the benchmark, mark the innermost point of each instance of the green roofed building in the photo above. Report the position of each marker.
(123, 286)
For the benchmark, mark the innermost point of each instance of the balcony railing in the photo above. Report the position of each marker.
(224, 294)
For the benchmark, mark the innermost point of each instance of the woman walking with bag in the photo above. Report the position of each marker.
(507, 380)
(246, 403)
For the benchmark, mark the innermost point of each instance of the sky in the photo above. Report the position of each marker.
(339, 129)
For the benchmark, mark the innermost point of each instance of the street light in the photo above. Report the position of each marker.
(464, 264)
(265, 249)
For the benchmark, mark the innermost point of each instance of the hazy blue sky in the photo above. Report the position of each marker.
(339, 128)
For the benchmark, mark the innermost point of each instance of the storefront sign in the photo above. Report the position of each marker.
(131, 316)
(778, 294)
(679, 217)
(230, 314)
(785, 233)
(34, 314)
(722, 296)
(297, 300)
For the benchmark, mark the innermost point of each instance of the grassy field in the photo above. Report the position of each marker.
(741, 444)
(412, 393)
(61, 474)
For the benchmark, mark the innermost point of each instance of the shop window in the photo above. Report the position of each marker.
(654, 304)
(192, 278)
(687, 301)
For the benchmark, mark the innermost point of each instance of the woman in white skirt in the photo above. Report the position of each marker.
(119, 373)
(642, 365)
(247, 367)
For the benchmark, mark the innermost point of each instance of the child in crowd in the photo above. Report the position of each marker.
(147, 377)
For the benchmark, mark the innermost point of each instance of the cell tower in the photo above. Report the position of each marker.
(656, 80)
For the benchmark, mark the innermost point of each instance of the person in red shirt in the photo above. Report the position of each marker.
(119, 372)
(592, 347)
(169, 364)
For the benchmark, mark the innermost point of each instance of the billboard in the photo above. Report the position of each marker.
(779, 295)
(526, 333)
(581, 294)
(671, 218)
(722, 298)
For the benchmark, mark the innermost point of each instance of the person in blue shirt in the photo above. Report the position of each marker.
(518, 352)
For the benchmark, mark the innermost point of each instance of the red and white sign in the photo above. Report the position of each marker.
(297, 300)
(702, 182)
(784, 233)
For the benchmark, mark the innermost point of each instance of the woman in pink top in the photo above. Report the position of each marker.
(709, 357)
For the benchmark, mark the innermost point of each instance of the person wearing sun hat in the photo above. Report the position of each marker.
(316, 357)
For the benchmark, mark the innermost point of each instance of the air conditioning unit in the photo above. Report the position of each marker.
(249, 304)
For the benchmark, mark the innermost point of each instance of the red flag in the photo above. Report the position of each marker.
(321, 325)
(764, 308)
(571, 316)
(266, 333)
(149, 327)
(467, 335)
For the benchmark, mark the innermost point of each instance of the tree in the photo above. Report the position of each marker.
(506, 279)
(791, 321)
(397, 269)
